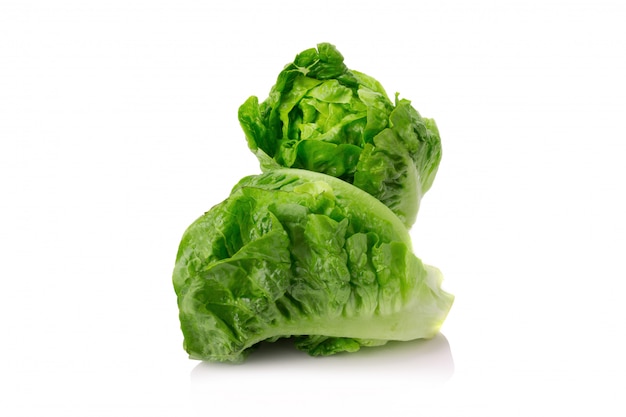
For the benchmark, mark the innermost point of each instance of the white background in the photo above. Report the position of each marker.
(118, 127)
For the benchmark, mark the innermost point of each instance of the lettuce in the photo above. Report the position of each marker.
(296, 253)
(316, 248)
(323, 117)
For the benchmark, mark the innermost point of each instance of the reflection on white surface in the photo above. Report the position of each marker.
(427, 360)
(279, 372)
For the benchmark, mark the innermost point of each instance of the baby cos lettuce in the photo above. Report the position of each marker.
(317, 246)
(323, 117)
(303, 254)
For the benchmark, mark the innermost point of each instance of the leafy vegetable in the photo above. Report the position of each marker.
(317, 246)
(298, 253)
(322, 116)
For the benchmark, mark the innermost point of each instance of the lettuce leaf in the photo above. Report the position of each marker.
(323, 117)
(295, 253)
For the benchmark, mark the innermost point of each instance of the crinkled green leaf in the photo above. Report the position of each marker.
(302, 254)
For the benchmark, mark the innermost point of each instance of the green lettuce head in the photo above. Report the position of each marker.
(295, 253)
(323, 117)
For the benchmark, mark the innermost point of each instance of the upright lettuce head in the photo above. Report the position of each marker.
(321, 116)
(299, 253)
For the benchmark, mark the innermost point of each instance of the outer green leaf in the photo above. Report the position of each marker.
(303, 254)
